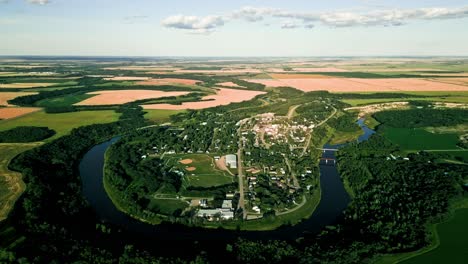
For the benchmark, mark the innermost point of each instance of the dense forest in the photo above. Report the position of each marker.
(25, 134)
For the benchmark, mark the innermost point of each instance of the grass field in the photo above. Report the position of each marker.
(453, 239)
(205, 175)
(67, 100)
(62, 123)
(167, 206)
(448, 99)
(161, 116)
(11, 185)
(420, 139)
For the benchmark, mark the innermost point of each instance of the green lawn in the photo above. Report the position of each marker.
(161, 116)
(420, 139)
(453, 237)
(66, 100)
(62, 123)
(167, 206)
(206, 173)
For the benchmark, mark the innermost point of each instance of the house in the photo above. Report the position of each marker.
(231, 161)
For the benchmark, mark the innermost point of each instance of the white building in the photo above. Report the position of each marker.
(231, 161)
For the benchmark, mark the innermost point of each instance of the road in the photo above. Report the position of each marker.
(309, 137)
(291, 111)
(240, 170)
(304, 201)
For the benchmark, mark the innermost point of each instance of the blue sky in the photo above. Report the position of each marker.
(234, 28)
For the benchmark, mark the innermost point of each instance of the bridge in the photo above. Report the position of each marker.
(327, 149)
(328, 161)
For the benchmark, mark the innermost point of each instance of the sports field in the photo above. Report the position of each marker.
(201, 171)
(62, 123)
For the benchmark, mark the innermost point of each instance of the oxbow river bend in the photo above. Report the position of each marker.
(334, 199)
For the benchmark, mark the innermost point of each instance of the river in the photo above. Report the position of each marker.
(334, 199)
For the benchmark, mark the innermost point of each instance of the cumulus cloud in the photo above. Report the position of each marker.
(38, 2)
(385, 17)
(194, 23)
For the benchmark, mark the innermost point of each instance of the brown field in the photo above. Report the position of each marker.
(4, 97)
(126, 78)
(125, 96)
(223, 96)
(362, 85)
(230, 84)
(297, 76)
(12, 112)
(457, 81)
(141, 68)
(165, 81)
(191, 169)
(221, 71)
(25, 85)
(311, 69)
(186, 161)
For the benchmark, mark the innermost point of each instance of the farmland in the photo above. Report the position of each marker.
(124, 96)
(420, 139)
(175, 122)
(62, 123)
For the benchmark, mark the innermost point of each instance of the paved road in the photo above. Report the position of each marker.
(304, 200)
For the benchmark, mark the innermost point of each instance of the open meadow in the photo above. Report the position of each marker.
(11, 184)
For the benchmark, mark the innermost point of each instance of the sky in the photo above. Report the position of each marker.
(234, 28)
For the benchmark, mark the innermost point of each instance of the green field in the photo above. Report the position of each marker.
(161, 116)
(66, 100)
(167, 206)
(420, 139)
(206, 173)
(11, 185)
(453, 239)
(62, 123)
(447, 99)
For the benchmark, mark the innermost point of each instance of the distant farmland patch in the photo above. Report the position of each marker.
(25, 85)
(361, 85)
(165, 81)
(125, 96)
(12, 112)
(62, 123)
(223, 96)
(5, 96)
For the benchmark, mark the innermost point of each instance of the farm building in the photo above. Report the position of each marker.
(231, 161)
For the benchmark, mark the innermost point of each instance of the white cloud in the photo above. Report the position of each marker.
(193, 23)
(289, 25)
(38, 2)
(385, 17)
